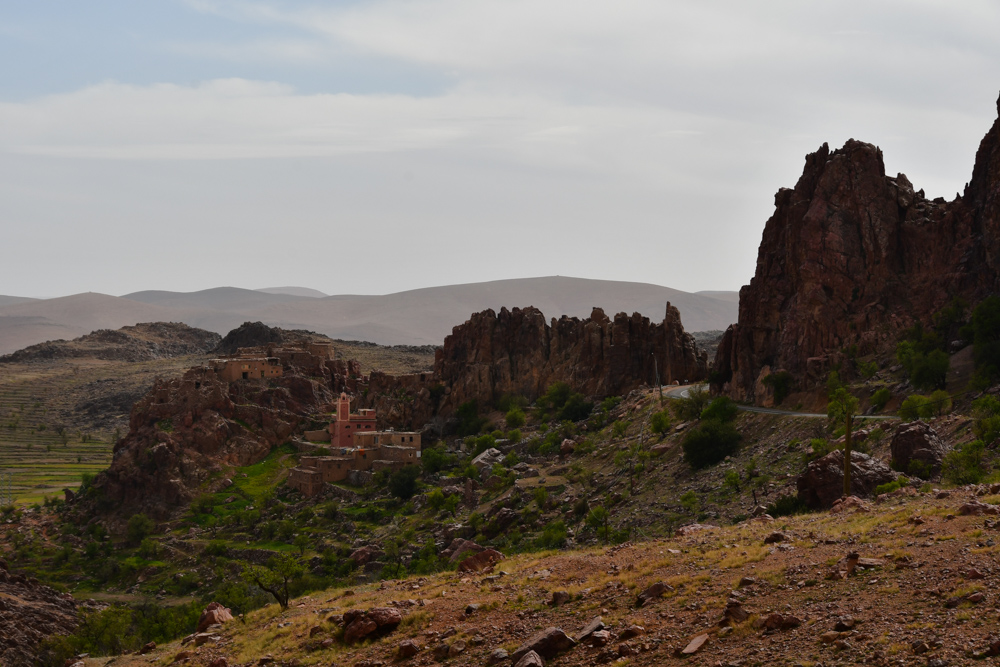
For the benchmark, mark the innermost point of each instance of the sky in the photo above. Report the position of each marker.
(375, 146)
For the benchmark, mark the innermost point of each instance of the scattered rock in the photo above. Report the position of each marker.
(547, 643)
(530, 659)
(595, 625)
(653, 592)
(560, 598)
(775, 537)
(695, 645)
(483, 560)
(631, 631)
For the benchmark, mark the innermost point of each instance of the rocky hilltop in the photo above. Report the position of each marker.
(518, 352)
(143, 342)
(850, 257)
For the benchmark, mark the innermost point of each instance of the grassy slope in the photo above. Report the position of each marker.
(925, 565)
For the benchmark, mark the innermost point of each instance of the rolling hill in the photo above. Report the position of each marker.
(415, 317)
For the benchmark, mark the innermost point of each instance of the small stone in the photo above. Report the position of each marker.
(599, 638)
(845, 623)
(560, 598)
(632, 631)
(497, 656)
(695, 645)
(747, 581)
(408, 648)
(775, 537)
(471, 609)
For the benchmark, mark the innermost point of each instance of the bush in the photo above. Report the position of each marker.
(926, 369)
(722, 409)
(691, 407)
(916, 407)
(553, 536)
(888, 487)
(562, 403)
(469, 421)
(984, 330)
(659, 423)
(515, 418)
(941, 402)
(781, 383)
(711, 442)
(689, 500)
(986, 411)
(403, 482)
(436, 459)
(880, 398)
(514, 436)
(787, 505)
(139, 527)
(965, 464)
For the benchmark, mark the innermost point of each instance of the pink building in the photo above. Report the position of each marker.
(343, 428)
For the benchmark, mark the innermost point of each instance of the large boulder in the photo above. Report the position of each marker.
(214, 614)
(488, 459)
(823, 480)
(917, 441)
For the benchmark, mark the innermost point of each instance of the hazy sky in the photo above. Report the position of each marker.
(376, 146)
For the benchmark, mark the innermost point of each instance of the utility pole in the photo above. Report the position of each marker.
(656, 370)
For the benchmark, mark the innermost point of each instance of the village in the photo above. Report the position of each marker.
(351, 448)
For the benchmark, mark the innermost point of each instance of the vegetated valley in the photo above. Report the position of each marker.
(564, 508)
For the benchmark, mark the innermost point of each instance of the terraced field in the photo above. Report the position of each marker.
(58, 419)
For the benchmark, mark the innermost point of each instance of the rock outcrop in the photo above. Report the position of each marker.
(917, 441)
(851, 256)
(142, 342)
(29, 613)
(185, 429)
(823, 481)
(518, 352)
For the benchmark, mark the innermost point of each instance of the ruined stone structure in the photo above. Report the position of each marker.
(852, 256)
(247, 368)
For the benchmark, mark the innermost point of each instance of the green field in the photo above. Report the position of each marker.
(46, 441)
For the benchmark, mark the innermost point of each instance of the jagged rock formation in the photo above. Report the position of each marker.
(186, 429)
(518, 352)
(249, 334)
(823, 480)
(852, 256)
(142, 342)
(30, 612)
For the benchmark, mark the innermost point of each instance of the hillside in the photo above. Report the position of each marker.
(415, 317)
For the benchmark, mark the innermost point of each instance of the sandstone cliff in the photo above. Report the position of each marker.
(851, 256)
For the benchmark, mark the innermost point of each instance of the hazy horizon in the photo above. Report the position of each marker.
(375, 146)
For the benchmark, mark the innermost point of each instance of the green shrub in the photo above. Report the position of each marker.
(867, 370)
(880, 398)
(510, 402)
(659, 423)
(553, 536)
(920, 469)
(722, 409)
(888, 487)
(597, 519)
(436, 459)
(818, 448)
(781, 383)
(787, 505)
(986, 411)
(689, 500)
(514, 436)
(916, 407)
(926, 370)
(619, 429)
(515, 418)
(941, 402)
(691, 407)
(984, 330)
(965, 464)
(732, 480)
(139, 527)
(711, 442)
(469, 421)
(215, 548)
(403, 482)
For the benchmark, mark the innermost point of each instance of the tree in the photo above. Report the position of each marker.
(139, 527)
(597, 519)
(301, 543)
(711, 442)
(403, 482)
(722, 408)
(276, 577)
(842, 408)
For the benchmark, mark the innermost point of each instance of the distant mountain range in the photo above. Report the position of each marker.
(415, 317)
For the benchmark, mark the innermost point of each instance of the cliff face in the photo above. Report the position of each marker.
(517, 352)
(852, 256)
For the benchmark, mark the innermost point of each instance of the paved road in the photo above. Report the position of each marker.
(684, 392)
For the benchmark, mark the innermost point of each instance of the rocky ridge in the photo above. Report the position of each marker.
(518, 352)
(142, 342)
(852, 256)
